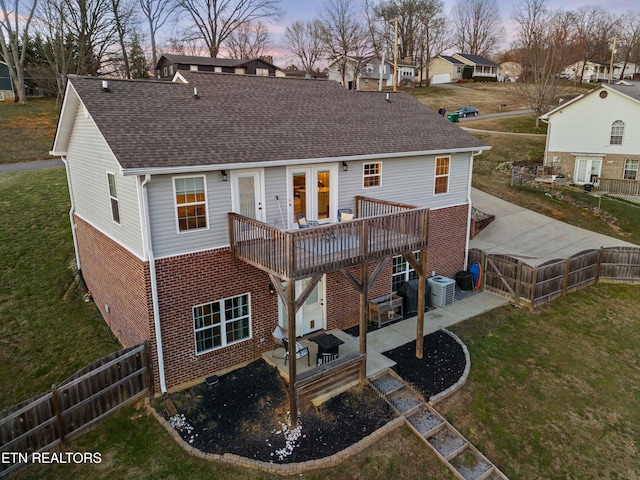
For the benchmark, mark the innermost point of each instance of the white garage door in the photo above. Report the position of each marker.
(441, 78)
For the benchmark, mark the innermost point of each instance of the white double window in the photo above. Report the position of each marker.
(221, 323)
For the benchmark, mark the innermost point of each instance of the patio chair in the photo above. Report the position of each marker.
(304, 223)
(300, 351)
(345, 214)
(279, 334)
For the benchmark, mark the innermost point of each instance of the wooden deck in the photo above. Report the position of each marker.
(298, 254)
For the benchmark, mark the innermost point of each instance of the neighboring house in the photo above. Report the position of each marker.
(510, 71)
(593, 71)
(371, 70)
(595, 134)
(482, 67)
(631, 71)
(295, 73)
(184, 225)
(444, 69)
(169, 64)
(6, 84)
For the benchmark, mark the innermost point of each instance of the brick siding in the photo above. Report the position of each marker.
(117, 278)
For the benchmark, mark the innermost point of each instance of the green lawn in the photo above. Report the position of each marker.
(43, 337)
(27, 131)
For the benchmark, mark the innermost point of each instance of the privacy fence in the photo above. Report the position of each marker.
(85, 398)
(534, 286)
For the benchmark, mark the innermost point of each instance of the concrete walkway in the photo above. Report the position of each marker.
(530, 236)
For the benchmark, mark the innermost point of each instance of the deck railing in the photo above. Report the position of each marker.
(306, 252)
(617, 186)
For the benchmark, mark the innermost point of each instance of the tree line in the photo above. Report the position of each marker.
(43, 41)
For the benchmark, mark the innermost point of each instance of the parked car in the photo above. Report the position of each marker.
(467, 112)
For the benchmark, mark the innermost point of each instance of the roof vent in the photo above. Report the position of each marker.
(105, 86)
(388, 99)
(195, 93)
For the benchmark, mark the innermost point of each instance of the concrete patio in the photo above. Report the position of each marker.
(392, 336)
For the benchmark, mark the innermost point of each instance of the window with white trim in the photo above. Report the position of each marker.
(170, 69)
(441, 184)
(631, 166)
(221, 323)
(113, 197)
(617, 132)
(372, 175)
(402, 271)
(191, 203)
(193, 68)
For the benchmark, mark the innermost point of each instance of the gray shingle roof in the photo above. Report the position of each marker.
(196, 60)
(240, 118)
(628, 87)
(478, 60)
(451, 59)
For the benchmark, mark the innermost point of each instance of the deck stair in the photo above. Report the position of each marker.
(456, 452)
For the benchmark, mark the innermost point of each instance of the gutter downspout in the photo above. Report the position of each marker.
(147, 245)
(466, 249)
(72, 211)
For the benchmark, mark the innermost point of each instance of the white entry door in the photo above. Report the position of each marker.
(586, 169)
(311, 316)
(312, 191)
(247, 193)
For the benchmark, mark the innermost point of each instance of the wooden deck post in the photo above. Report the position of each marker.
(291, 317)
(364, 314)
(422, 287)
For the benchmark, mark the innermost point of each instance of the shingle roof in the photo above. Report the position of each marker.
(241, 118)
(196, 60)
(628, 87)
(451, 59)
(478, 60)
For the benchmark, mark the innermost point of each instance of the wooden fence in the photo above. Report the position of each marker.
(85, 398)
(534, 286)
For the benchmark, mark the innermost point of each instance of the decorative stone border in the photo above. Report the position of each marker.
(463, 379)
(280, 468)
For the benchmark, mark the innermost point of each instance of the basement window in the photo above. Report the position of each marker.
(221, 323)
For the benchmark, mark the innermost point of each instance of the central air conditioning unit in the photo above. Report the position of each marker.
(443, 290)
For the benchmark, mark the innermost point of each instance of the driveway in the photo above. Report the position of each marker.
(530, 236)
(37, 165)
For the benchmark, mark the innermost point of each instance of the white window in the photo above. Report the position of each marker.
(166, 71)
(372, 175)
(191, 203)
(402, 271)
(442, 175)
(217, 69)
(193, 68)
(617, 132)
(170, 69)
(113, 197)
(262, 72)
(222, 323)
(631, 169)
(239, 71)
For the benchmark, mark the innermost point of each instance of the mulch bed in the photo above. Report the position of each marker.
(246, 412)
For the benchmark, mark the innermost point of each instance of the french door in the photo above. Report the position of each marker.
(587, 169)
(312, 191)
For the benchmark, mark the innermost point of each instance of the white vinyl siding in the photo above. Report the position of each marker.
(585, 126)
(407, 180)
(89, 157)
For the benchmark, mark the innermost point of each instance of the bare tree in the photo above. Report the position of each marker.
(345, 36)
(50, 23)
(478, 28)
(14, 39)
(433, 35)
(304, 41)
(215, 20)
(156, 12)
(124, 21)
(595, 29)
(250, 40)
(542, 42)
(629, 37)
